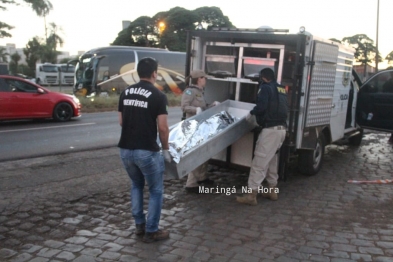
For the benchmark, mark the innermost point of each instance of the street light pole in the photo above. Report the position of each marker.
(365, 62)
(376, 42)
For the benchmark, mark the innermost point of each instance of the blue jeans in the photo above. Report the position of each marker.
(141, 166)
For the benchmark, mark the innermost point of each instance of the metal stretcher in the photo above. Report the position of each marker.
(209, 148)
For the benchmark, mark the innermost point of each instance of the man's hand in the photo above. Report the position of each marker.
(215, 103)
(198, 110)
(251, 119)
(167, 155)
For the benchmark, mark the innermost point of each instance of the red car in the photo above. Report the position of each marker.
(22, 99)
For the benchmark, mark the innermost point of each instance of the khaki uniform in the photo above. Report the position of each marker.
(191, 99)
(265, 161)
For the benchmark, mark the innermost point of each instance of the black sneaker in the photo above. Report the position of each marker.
(155, 236)
(140, 229)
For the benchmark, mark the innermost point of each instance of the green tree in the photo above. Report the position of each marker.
(54, 38)
(365, 51)
(13, 65)
(32, 52)
(140, 32)
(178, 21)
(48, 55)
(3, 55)
(25, 70)
(40, 7)
(49, 51)
(212, 17)
(145, 31)
(389, 57)
(124, 38)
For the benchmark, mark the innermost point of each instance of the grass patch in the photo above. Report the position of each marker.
(173, 100)
(109, 103)
(99, 104)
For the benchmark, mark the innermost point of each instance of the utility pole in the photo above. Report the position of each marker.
(365, 63)
(46, 30)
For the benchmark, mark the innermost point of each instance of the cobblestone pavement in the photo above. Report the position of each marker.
(319, 218)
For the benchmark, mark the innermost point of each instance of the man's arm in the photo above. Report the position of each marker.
(120, 118)
(163, 130)
(262, 101)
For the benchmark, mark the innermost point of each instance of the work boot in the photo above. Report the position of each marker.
(155, 236)
(271, 194)
(248, 199)
(140, 229)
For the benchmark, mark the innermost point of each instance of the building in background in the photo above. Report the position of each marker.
(125, 24)
(11, 49)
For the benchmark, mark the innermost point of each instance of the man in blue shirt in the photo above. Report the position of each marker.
(270, 111)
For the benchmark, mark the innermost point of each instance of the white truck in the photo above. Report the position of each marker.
(47, 74)
(66, 74)
(326, 103)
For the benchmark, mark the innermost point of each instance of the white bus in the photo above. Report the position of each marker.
(112, 69)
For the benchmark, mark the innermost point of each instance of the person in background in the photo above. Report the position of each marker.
(270, 111)
(143, 108)
(193, 102)
(390, 141)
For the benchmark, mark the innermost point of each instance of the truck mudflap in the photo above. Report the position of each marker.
(215, 144)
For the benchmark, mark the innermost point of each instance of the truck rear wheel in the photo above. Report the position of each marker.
(310, 161)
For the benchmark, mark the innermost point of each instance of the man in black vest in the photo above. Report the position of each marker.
(142, 107)
(270, 111)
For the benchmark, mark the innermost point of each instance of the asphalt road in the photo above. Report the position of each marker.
(26, 139)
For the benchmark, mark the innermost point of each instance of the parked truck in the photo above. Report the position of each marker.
(111, 69)
(66, 74)
(47, 74)
(327, 101)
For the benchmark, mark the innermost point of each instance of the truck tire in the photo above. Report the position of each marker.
(310, 161)
(357, 139)
(63, 112)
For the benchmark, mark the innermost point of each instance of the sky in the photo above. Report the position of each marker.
(88, 24)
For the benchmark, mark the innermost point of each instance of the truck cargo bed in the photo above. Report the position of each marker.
(203, 152)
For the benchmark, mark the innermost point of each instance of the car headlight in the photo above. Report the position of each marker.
(76, 100)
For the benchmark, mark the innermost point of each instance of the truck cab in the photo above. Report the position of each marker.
(47, 74)
(66, 74)
(374, 109)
